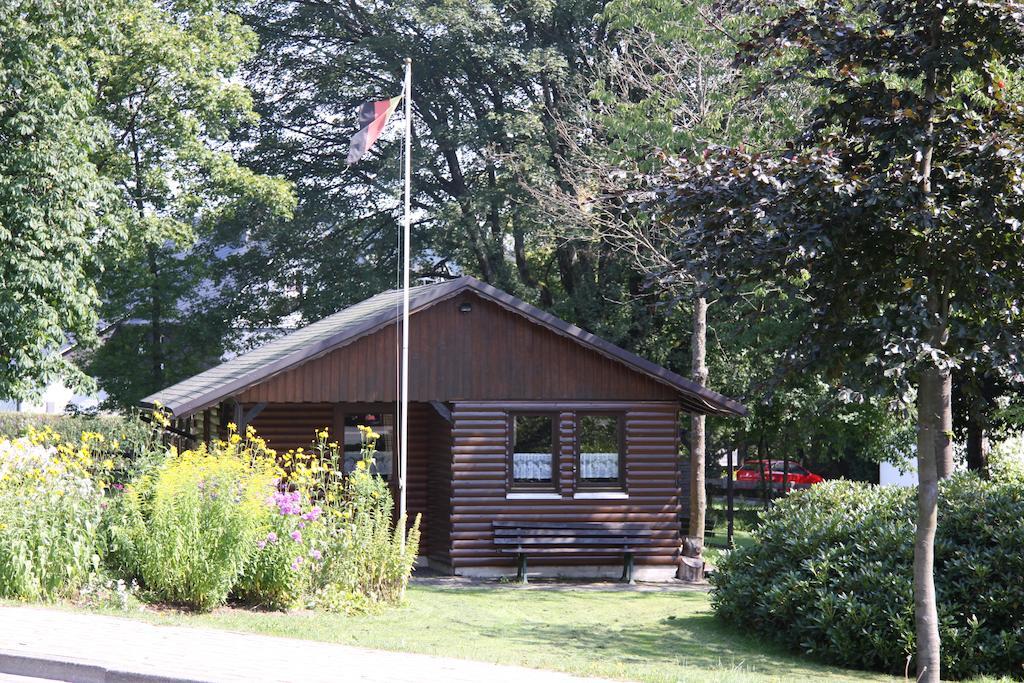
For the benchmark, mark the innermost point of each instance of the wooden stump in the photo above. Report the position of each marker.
(691, 566)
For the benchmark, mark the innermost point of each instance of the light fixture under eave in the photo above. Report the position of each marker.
(465, 307)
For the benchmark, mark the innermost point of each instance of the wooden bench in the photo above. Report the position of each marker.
(571, 538)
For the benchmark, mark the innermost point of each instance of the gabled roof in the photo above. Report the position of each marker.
(231, 377)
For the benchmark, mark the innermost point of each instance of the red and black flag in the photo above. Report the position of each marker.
(372, 117)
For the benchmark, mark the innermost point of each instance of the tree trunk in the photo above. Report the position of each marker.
(929, 395)
(944, 424)
(691, 567)
(156, 351)
(935, 410)
(977, 439)
(698, 445)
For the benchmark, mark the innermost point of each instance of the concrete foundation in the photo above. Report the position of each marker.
(648, 573)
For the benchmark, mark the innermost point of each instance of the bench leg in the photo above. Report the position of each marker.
(521, 576)
(627, 569)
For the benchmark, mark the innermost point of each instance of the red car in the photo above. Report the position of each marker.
(775, 470)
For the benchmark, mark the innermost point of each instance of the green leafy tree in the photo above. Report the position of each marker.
(896, 215)
(171, 100)
(56, 211)
(662, 85)
(486, 77)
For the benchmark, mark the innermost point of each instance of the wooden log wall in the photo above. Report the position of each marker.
(479, 496)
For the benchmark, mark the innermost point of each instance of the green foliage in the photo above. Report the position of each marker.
(890, 266)
(49, 516)
(368, 558)
(187, 529)
(487, 78)
(125, 438)
(238, 520)
(172, 100)
(1006, 459)
(56, 210)
(831, 574)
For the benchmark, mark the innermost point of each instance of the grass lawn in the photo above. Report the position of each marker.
(637, 636)
(715, 545)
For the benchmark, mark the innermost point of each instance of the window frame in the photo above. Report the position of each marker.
(620, 428)
(344, 410)
(511, 485)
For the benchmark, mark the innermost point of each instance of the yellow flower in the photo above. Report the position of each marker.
(322, 434)
(235, 438)
(232, 427)
(361, 464)
(108, 464)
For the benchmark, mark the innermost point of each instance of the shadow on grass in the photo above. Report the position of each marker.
(697, 641)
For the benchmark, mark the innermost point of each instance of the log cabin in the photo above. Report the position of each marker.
(515, 416)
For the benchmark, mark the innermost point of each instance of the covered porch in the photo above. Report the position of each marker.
(288, 426)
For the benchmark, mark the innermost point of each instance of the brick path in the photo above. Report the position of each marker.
(92, 648)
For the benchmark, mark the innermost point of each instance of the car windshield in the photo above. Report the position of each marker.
(793, 467)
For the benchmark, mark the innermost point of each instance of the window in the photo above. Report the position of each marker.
(780, 466)
(383, 424)
(532, 459)
(599, 451)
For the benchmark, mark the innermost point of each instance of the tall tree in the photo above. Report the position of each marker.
(56, 210)
(171, 101)
(663, 84)
(896, 215)
(486, 78)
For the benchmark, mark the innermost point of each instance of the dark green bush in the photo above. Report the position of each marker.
(832, 576)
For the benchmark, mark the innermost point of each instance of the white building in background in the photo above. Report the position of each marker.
(55, 399)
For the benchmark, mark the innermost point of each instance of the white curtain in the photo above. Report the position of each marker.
(531, 466)
(599, 465)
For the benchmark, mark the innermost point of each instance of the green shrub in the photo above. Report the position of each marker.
(50, 506)
(366, 560)
(187, 530)
(832, 575)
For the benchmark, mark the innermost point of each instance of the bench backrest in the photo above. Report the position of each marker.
(594, 535)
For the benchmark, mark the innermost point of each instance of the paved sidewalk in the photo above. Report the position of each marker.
(92, 648)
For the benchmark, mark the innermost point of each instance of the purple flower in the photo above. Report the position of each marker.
(302, 525)
(271, 537)
(297, 536)
(315, 554)
(312, 515)
(296, 563)
(261, 544)
(288, 503)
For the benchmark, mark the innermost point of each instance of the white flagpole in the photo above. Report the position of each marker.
(407, 240)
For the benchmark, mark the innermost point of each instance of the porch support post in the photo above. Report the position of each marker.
(627, 569)
(249, 416)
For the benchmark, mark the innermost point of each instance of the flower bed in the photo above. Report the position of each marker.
(230, 521)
